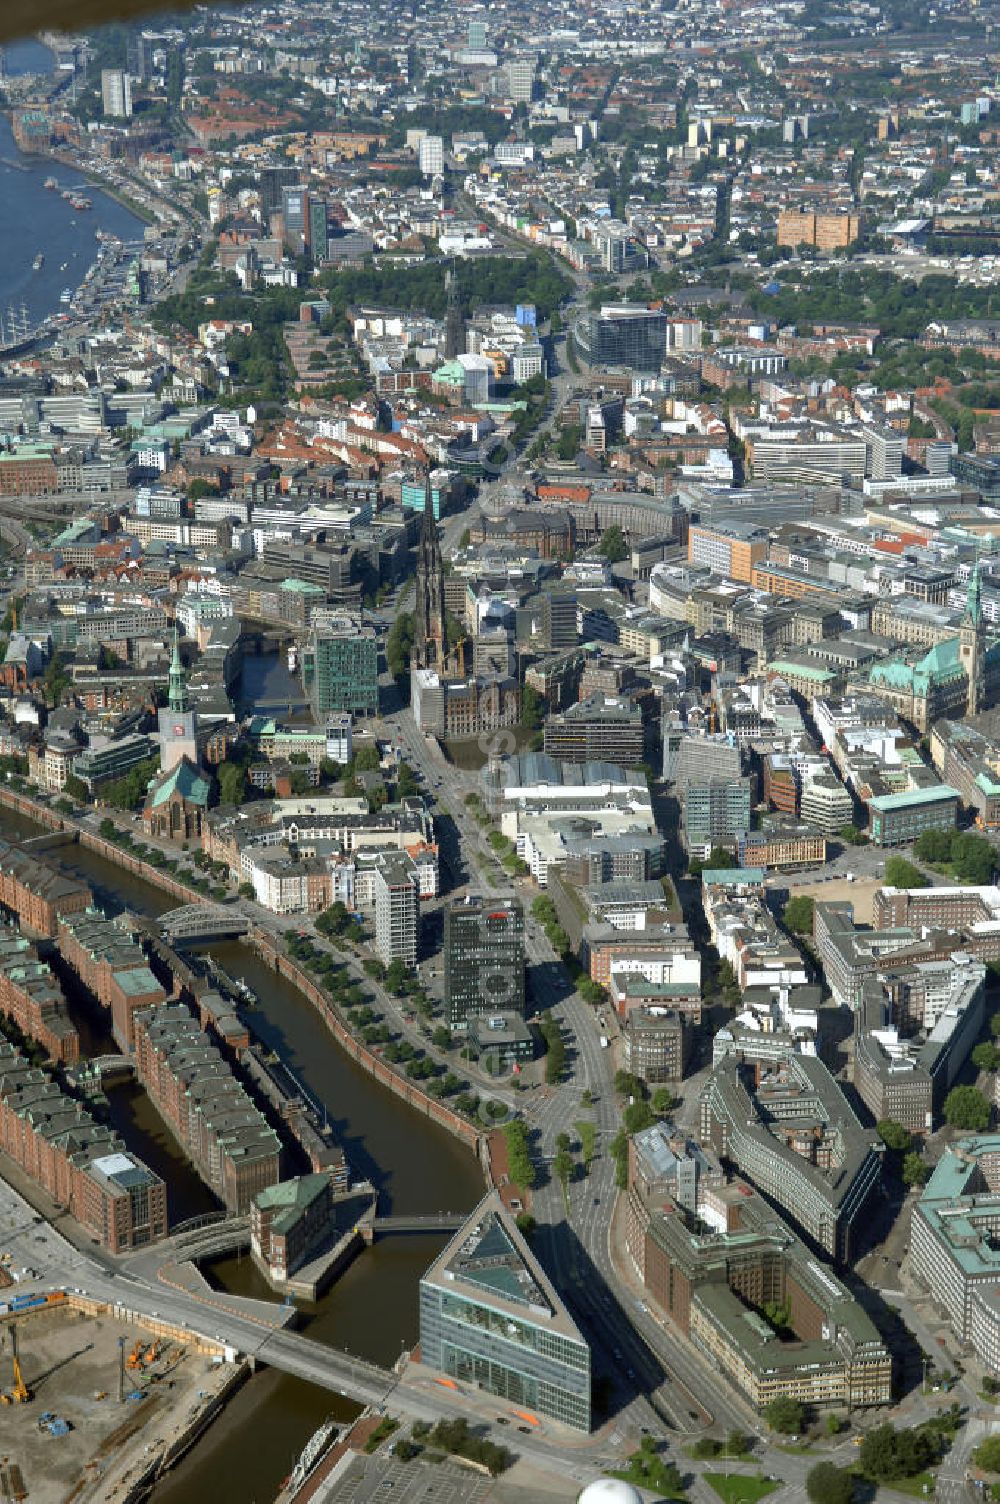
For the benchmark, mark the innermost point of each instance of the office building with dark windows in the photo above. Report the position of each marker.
(490, 1317)
(483, 958)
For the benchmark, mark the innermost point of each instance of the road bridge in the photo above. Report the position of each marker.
(193, 922)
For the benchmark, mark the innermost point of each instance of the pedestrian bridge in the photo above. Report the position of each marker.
(211, 1238)
(434, 1222)
(193, 922)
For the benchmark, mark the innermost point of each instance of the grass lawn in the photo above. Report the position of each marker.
(648, 1478)
(915, 1486)
(734, 1488)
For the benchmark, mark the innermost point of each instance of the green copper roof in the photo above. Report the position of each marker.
(184, 779)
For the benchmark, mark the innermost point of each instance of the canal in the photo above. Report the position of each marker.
(372, 1309)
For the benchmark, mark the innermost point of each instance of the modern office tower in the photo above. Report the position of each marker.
(477, 36)
(715, 811)
(295, 210)
(273, 181)
(340, 665)
(521, 79)
(624, 335)
(490, 1317)
(397, 909)
(319, 233)
(483, 958)
(116, 92)
(432, 156)
(139, 55)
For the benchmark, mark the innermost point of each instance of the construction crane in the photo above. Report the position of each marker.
(20, 1394)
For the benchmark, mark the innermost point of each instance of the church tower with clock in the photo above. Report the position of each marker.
(177, 723)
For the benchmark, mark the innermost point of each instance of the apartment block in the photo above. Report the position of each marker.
(397, 908)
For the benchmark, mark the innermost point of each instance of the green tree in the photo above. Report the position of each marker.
(613, 545)
(933, 846)
(663, 1100)
(886, 1453)
(893, 1135)
(532, 709)
(986, 1057)
(406, 782)
(965, 1107)
(232, 780)
(798, 914)
(899, 873)
(915, 1171)
(987, 1455)
(76, 789)
(827, 1484)
(399, 645)
(785, 1414)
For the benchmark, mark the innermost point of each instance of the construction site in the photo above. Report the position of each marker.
(92, 1406)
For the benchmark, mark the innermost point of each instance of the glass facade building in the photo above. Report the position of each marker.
(340, 666)
(635, 338)
(491, 1319)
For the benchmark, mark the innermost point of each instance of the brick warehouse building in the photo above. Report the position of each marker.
(38, 893)
(81, 1164)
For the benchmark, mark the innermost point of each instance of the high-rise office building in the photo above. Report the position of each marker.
(273, 180)
(483, 958)
(116, 92)
(340, 665)
(521, 79)
(432, 156)
(319, 235)
(490, 1317)
(715, 811)
(295, 209)
(624, 335)
(139, 55)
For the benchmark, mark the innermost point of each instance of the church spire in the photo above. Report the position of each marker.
(177, 695)
(973, 600)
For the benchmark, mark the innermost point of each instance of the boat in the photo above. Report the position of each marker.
(63, 265)
(38, 262)
(66, 296)
(50, 184)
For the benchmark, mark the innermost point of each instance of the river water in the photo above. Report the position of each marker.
(372, 1309)
(33, 218)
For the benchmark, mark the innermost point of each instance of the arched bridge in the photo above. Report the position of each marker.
(193, 922)
(211, 1239)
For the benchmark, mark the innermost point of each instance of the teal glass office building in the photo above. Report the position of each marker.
(490, 1318)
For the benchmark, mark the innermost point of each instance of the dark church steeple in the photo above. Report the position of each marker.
(429, 624)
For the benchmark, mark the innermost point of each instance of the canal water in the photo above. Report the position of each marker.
(269, 687)
(372, 1309)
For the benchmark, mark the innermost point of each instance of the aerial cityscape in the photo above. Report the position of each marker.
(500, 753)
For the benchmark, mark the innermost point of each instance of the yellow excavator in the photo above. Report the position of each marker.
(20, 1394)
